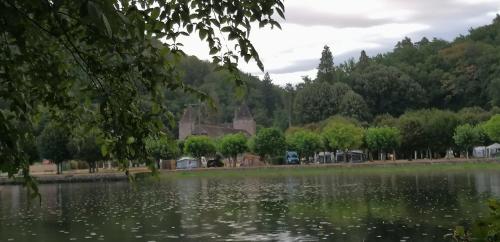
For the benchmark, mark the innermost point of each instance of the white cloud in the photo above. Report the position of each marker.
(350, 26)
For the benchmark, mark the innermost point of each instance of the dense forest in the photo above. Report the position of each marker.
(415, 75)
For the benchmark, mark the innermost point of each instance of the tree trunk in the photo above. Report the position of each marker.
(345, 156)
(394, 154)
(467, 154)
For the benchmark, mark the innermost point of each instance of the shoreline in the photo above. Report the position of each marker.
(67, 178)
(77, 177)
(349, 165)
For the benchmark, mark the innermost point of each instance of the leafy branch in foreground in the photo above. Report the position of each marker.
(484, 229)
(102, 59)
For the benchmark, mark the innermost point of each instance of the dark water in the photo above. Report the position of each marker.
(420, 207)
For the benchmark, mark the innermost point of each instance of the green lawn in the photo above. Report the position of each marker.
(344, 169)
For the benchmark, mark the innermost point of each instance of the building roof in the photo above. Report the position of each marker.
(216, 130)
(243, 112)
(494, 146)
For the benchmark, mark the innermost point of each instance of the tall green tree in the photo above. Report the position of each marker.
(363, 61)
(354, 106)
(473, 115)
(162, 147)
(439, 126)
(199, 146)
(466, 136)
(232, 145)
(382, 139)
(326, 68)
(387, 89)
(344, 136)
(88, 148)
(492, 128)
(494, 90)
(413, 139)
(305, 142)
(269, 142)
(53, 144)
(315, 102)
(290, 96)
(268, 97)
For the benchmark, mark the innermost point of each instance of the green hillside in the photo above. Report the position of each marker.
(415, 75)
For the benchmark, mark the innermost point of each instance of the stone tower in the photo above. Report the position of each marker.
(187, 123)
(243, 120)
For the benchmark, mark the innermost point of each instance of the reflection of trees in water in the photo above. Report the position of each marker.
(361, 206)
(487, 182)
(427, 200)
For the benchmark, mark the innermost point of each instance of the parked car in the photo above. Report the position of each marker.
(216, 162)
(291, 158)
(187, 163)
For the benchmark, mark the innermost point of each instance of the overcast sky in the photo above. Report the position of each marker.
(351, 26)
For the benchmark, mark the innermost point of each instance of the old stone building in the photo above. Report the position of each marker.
(192, 124)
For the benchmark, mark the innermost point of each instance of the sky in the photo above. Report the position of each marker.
(348, 27)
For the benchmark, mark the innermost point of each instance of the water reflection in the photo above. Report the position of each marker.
(418, 207)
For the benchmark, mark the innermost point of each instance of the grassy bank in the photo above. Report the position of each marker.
(361, 169)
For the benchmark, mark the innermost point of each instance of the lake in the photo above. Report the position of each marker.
(370, 207)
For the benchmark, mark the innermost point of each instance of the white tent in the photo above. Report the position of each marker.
(480, 152)
(493, 150)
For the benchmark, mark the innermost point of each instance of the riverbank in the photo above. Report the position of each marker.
(376, 167)
(75, 176)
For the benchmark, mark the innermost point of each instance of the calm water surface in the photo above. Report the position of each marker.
(419, 207)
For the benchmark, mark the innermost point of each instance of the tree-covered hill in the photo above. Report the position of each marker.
(263, 98)
(415, 75)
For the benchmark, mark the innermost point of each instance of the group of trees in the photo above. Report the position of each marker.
(230, 146)
(58, 143)
(112, 61)
(427, 133)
